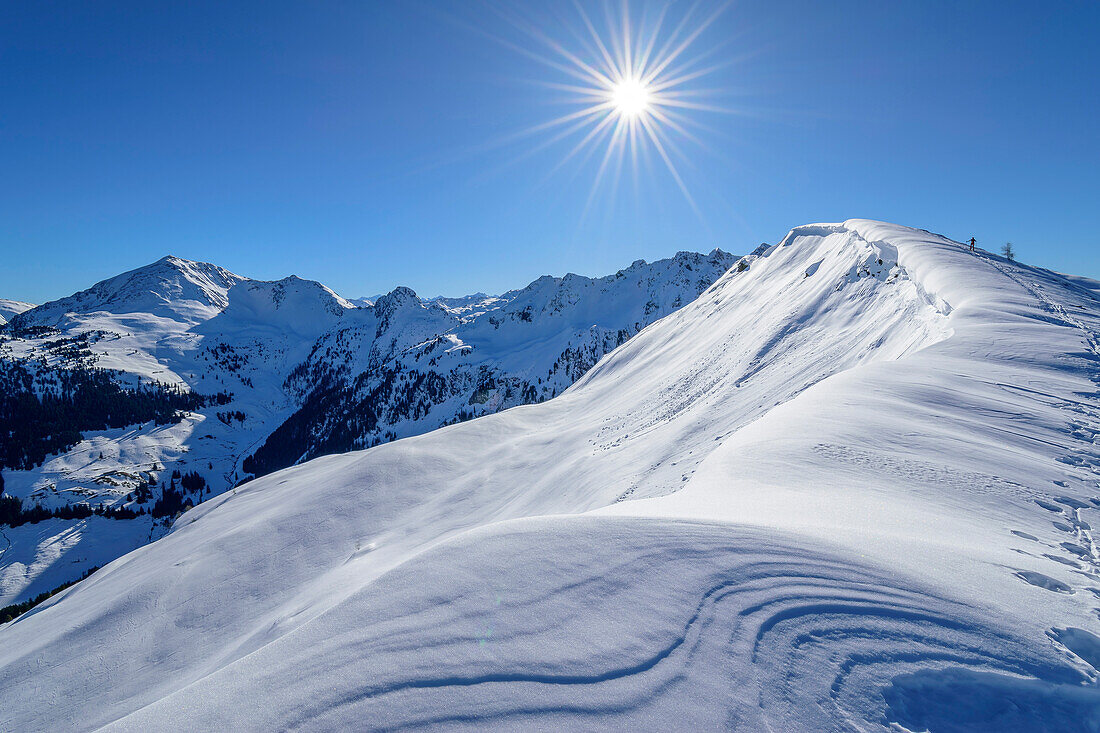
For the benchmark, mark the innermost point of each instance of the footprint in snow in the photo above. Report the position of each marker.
(1043, 581)
(1084, 644)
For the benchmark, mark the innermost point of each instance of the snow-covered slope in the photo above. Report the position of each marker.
(10, 308)
(298, 371)
(847, 488)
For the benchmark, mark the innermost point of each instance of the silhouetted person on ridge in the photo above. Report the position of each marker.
(972, 242)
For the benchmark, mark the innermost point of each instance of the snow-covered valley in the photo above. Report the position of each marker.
(850, 486)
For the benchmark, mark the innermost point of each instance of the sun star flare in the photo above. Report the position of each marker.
(634, 89)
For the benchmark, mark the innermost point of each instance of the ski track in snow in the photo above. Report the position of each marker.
(850, 488)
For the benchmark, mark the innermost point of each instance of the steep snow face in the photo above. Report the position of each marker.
(849, 487)
(10, 308)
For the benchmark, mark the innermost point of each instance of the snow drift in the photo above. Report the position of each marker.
(850, 487)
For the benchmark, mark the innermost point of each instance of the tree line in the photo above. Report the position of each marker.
(7, 613)
(14, 514)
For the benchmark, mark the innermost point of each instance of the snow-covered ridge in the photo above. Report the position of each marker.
(850, 486)
(10, 308)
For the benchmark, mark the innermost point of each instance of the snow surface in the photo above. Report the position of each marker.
(849, 488)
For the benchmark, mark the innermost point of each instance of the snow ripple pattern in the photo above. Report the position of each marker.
(669, 625)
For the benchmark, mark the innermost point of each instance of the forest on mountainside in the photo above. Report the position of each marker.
(47, 411)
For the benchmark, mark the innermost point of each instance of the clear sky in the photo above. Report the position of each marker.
(372, 144)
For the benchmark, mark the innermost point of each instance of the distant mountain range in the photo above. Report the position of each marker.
(183, 368)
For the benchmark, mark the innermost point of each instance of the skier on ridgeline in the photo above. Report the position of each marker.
(972, 242)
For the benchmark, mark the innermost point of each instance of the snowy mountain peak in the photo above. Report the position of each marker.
(292, 288)
(809, 232)
(178, 263)
(304, 308)
(184, 278)
(398, 309)
(171, 287)
(400, 295)
(397, 299)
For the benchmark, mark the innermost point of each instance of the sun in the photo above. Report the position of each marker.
(631, 97)
(632, 83)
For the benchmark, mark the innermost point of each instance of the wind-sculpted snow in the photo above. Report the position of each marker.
(665, 625)
(627, 623)
(851, 487)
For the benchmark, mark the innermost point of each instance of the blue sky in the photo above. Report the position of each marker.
(372, 144)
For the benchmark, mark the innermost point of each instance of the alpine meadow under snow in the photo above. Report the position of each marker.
(848, 487)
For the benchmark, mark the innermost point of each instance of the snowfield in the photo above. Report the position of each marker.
(851, 487)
